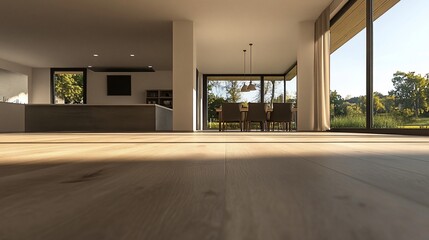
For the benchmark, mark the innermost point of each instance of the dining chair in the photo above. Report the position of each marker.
(256, 113)
(231, 114)
(281, 114)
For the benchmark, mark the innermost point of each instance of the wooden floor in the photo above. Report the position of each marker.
(214, 186)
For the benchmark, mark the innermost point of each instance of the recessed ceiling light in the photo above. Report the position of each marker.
(95, 55)
(90, 66)
(132, 55)
(149, 66)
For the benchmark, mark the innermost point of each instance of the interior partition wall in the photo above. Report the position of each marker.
(383, 48)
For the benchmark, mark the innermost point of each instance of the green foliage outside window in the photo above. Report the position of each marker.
(406, 105)
(69, 87)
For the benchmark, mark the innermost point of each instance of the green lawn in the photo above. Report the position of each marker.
(359, 122)
(380, 121)
(418, 123)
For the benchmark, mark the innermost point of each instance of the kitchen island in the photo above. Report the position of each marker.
(95, 118)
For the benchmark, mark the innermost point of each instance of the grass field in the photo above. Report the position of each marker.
(382, 121)
(418, 123)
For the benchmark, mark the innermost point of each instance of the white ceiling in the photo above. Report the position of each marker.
(57, 33)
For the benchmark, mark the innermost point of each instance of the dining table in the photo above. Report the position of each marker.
(244, 111)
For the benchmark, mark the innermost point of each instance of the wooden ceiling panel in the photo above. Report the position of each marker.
(354, 20)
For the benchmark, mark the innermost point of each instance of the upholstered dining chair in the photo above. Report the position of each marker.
(281, 114)
(256, 113)
(231, 113)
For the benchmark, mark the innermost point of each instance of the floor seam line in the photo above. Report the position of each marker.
(369, 184)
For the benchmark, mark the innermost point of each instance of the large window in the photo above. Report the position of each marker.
(395, 69)
(13, 87)
(401, 66)
(228, 89)
(273, 88)
(68, 86)
(348, 68)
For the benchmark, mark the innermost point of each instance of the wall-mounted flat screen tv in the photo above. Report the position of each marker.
(119, 85)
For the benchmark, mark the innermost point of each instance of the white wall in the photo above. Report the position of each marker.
(305, 78)
(12, 117)
(14, 67)
(40, 91)
(140, 82)
(97, 86)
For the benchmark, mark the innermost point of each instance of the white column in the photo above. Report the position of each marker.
(184, 76)
(305, 79)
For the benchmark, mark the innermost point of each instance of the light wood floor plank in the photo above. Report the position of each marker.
(301, 200)
(367, 168)
(223, 186)
(135, 195)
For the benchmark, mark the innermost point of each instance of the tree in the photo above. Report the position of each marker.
(233, 92)
(213, 101)
(353, 100)
(353, 110)
(411, 91)
(378, 103)
(337, 104)
(279, 98)
(273, 91)
(389, 103)
(69, 87)
(270, 92)
(361, 103)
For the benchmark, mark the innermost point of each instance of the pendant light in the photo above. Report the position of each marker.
(251, 86)
(244, 88)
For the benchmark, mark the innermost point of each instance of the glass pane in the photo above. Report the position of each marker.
(13, 87)
(274, 91)
(68, 88)
(291, 91)
(401, 64)
(348, 69)
(220, 91)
